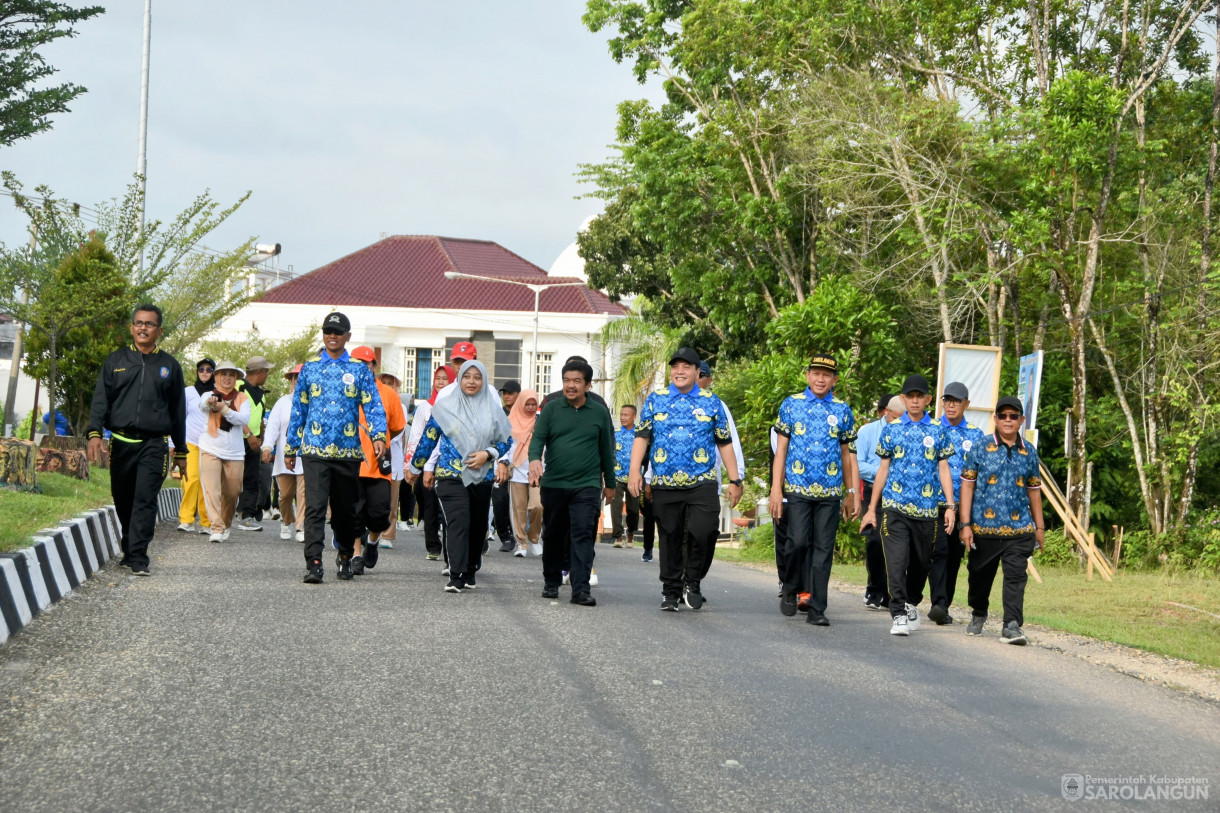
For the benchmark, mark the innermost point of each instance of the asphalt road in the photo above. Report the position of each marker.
(224, 683)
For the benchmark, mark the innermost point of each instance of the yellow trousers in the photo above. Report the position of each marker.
(192, 491)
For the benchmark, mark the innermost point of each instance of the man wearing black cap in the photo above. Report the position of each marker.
(815, 469)
(324, 430)
(502, 516)
(913, 475)
(948, 551)
(685, 425)
(876, 592)
(1002, 509)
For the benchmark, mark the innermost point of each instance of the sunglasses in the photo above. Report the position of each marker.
(204, 370)
(138, 323)
(333, 332)
(1009, 416)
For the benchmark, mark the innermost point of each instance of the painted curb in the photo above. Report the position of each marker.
(169, 500)
(57, 561)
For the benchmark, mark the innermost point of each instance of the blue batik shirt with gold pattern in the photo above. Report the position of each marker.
(914, 449)
(966, 438)
(817, 430)
(326, 409)
(624, 438)
(1002, 475)
(685, 429)
(448, 459)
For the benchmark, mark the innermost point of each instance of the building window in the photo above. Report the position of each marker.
(542, 374)
(423, 374)
(6, 348)
(408, 370)
(508, 361)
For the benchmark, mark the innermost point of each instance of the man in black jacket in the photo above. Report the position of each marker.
(140, 398)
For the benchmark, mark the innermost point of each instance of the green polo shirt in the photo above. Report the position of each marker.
(579, 445)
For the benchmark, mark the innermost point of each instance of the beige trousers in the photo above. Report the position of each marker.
(526, 505)
(221, 480)
(292, 499)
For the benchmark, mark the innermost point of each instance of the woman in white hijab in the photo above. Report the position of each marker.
(470, 431)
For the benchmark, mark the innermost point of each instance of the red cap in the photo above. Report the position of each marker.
(363, 353)
(464, 350)
(294, 371)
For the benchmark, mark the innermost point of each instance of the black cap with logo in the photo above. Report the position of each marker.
(336, 322)
(686, 354)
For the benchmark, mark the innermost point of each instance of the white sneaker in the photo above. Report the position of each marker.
(205, 530)
(386, 544)
(402, 525)
(216, 538)
(593, 578)
(226, 535)
(912, 617)
(519, 550)
(535, 548)
(445, 572)
(566, 577)
(285, 531)
(900, 626)
(275, 513)
(301, 535)
(187, 527)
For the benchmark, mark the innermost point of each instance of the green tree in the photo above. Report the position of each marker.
(284, 354)
(26, 26)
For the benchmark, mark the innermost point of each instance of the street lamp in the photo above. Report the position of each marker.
(537, 289)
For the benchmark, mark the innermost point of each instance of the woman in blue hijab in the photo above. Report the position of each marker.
(469, 431)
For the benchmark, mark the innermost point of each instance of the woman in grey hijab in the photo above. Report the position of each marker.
(469, 432)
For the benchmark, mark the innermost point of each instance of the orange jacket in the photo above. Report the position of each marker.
(396, 421)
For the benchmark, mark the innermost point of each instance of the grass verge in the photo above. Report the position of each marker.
(22, 513)
(1138, 609)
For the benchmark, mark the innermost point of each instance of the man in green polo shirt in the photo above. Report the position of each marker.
(577, 438)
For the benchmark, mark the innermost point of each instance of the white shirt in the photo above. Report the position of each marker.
(521, 474)
(277, 434)
(397, 455)
(741, 458)
(423, 411)
(196, 422)
(226, 445)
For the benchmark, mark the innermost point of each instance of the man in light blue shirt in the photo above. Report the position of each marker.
(876, 594)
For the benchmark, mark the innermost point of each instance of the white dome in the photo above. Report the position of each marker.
(569, 263)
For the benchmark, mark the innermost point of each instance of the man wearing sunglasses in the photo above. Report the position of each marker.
(1002, 512)
(141, 398)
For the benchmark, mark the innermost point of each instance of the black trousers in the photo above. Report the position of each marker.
(810, 544)
(780, 532)
(334, 483)
(650, 522)
(430, 516)
(990, 552)
(502, 514)
(255, 485)
(688, 524)
(616, 511)
(947, 556)
(373, 506)
(908, 545)
(137, 471)
(406, 501)
(570, 518)
(464, 509)
(874, 555)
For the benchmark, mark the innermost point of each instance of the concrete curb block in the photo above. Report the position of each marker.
(58, 561)
(169, 501)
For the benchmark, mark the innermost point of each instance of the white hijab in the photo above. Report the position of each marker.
(472, 422)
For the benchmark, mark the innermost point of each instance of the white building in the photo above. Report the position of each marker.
(402, 303)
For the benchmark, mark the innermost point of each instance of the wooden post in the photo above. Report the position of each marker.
(1118, 546)
(1088, 573)
(1033, 571)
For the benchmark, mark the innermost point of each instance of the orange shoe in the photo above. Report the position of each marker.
(802, 602)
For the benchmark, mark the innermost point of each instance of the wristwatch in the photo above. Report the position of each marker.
(735, 483)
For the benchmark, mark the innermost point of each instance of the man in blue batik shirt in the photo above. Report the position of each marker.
(815, 469)
(1002, 510)
(948, 550)
(324, 429)
(876, 592)
(913, 476)
(624, 439)
(685, 425)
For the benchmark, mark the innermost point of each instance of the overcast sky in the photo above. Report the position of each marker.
(346, 120)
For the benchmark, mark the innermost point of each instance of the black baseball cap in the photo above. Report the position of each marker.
(915, 383)
(511, 387)
(825, 361)
(1009, 401)
(208, 362)
(686, 354)
(956, 390)
(705, 370)
(336, 322)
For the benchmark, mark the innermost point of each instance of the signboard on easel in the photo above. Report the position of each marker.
(1029, 390)
(978, 367)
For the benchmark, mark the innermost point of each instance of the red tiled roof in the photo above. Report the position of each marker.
(408, 271)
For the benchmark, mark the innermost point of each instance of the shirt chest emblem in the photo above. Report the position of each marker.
(349, 379)
(928, 442)
(165, 372)
(833, 420)
(967, 445)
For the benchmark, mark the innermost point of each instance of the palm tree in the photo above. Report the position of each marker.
(644, 351)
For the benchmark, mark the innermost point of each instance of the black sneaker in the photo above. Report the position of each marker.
(345, 568)
(550, 592)
(816, 618)
(508, 547)
(372, 552)
(313, 572)
(940, 615)
(875, 601)
(124, 562)
(975, 627)
(692, 598)
(455, 585)
(669, 604)
(787, 603)
(468, 581)
(142, 570)
(1011, 634)
(583, 599)
(357, 566)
